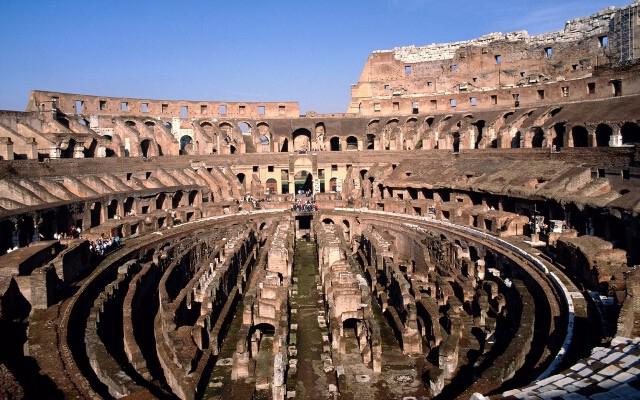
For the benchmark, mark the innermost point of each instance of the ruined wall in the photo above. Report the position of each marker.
(504, 70)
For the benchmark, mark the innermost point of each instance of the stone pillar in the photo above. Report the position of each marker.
(78, 150)
(6, 148)
(55, 152)
(32, 150)
(616, 136)
(101, 151)
(592, 141)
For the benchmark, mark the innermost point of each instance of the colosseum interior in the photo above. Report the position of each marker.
(468, 229)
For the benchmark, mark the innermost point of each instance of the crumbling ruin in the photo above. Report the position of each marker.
(468, 229)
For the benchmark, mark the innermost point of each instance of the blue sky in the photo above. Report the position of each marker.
(309, 51)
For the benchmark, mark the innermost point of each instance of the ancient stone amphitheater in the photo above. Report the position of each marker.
(469, 228)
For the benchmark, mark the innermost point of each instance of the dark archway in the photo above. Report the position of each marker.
(193, 198)
(603, 135)
(185, 144)
(177, 198)
(515, 140)
(285, 146)
(272, 186)
(479, 131)
(538, 137)
(96, 211)
(301, 140)
(371, 140)
(630, 133)
(144, 147)
(334, 144)
(580, 136)
(242, 180)
(456, 142)
(112, 209)
(303, 181)
(558, 140)
(352, 143)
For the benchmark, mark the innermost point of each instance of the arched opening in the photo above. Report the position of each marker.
(150, 124)
(272, 186)
(144, 147)
(160, 201)
(603, 135)
(630, 133)
(261, 339)
(242, 180)
(96, 211)
(245, 128)
(232, 149)
(130, 124)
(285, 146)
(186, 144)
(371, 140)
(352, 143)
(68, 152)
(558, 140)
(538, 137)
(346, 229)
(456, 142)
(363, 173)
(515, 140)
(327, 221)
(350, 332)
(301, 140)
(334, 144)
(193, 198)
(128, 205)
(479, 131)
(177, 199)
(112, 209)
(580, 136)
(25, 230)
(333, 185)
(303, 181)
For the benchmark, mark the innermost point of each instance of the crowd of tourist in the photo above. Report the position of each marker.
(104, 245)
(302, 205)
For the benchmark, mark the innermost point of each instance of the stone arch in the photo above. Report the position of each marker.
(630, 133)
(603, 135)
(537, 139)
(112, 209)
(186, 144)
(301, 140)
(456, 142)
(242, 179)
(559, 137)
(334, 144)
(333, 184)
(303, 180)
(161, 201)
(479, 127)
(272, 186)
(194, 198)
(371, 141)
(245, 128)
(176, 199)
(96, 214)
(580, 136)
(515, 140)
(352, 143)
(145, 147)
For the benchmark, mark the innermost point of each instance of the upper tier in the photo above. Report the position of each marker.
(577, 62)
